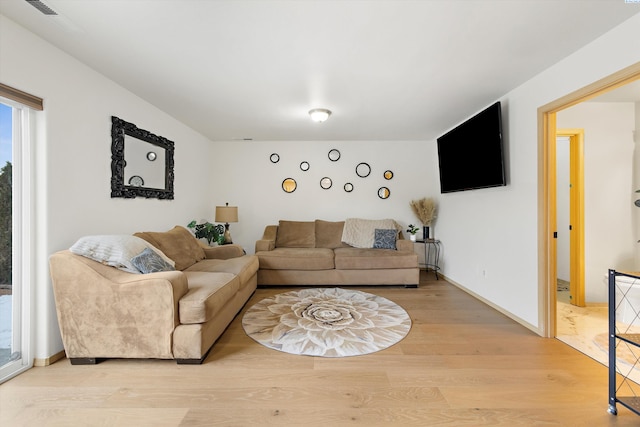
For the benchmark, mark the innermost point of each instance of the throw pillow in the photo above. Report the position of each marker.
(296, 234)
(329, 234)
(385, 239)
(114, 250)
(150, 262)
(178, 244)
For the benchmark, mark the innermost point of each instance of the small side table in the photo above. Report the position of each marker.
(431, 245)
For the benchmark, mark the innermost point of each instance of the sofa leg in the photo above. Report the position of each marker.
(84, 360)
(191, 361)
(410, 286)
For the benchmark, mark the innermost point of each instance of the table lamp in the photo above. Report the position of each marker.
(227, 214)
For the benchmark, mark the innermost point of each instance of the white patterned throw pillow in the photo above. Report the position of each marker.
(115, 250)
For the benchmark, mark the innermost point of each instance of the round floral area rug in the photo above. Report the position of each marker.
(326, 322)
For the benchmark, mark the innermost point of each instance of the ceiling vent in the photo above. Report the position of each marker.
(41, 7)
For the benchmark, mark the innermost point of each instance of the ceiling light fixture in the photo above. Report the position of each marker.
(319, 114)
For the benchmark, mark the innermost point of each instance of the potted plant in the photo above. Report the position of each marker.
(206, 230)
(425, 209)
(412, 230)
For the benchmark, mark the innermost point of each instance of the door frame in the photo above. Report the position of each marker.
(576, 212)
(547, 250)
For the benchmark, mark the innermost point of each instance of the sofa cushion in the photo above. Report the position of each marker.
(366, 259)
(360, 233)
(244, 267)
(178, 244)
(296, 259)
(385, 239)
(329, 234)
(208, 293)
(296, 234)
(115, 250)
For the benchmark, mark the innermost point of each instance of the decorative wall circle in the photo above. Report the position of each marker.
(136, 181)
(334, 155)
(151, 156)
(326, 183)
(348, 187)
(304, 166)
(363, 170)
(388, 175)
(289, 185)
(384, 193)
(275, 158)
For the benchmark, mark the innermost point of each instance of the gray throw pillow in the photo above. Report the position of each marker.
(385, 239)
(150, 262)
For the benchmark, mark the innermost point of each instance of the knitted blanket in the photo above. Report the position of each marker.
(360, 233)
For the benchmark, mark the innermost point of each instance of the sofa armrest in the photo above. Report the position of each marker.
(224, 252)
(106, 312)
(268, 241)
(404, 245)
(265, 245)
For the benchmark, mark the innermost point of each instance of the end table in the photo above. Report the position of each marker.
(431, 262)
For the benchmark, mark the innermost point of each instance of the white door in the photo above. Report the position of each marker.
(15, 356)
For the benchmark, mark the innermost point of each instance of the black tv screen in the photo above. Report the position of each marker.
(470, 156)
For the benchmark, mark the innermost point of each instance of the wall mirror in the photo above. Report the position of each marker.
(384, 193)
(275, 158)
(363, 170)
(134, 172)
(326, 183)
(304, 166)
(388, 175)
(334, 155)
(348, 187)
(289, 185)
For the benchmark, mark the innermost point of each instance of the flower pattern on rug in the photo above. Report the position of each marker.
(327, 322)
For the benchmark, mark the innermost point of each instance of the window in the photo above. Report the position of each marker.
(15, 350)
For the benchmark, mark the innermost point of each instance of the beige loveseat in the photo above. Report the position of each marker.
(318, 253)
(105, 312)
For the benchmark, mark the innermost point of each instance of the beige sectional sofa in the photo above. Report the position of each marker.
(112, 312)
(319, 253)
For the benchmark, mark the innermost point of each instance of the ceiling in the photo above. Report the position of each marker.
(389, 70)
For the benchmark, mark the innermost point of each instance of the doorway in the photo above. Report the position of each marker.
(547, 184)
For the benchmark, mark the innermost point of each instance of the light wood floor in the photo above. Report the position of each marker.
(462, 364)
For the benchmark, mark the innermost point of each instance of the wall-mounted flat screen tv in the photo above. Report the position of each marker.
(470, 156)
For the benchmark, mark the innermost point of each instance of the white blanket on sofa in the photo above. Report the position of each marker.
(360, 233)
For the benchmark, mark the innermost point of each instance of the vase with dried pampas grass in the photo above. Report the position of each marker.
(425, 210)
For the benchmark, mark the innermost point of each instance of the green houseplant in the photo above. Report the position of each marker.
(207, 230)
(412, 229)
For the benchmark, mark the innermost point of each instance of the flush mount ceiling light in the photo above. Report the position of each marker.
(319, 114)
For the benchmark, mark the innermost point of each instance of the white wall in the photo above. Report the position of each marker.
(73, 157)
(495, 230)
(250, 181)
(609, 190)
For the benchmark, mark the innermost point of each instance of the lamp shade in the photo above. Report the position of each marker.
(226, 214)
